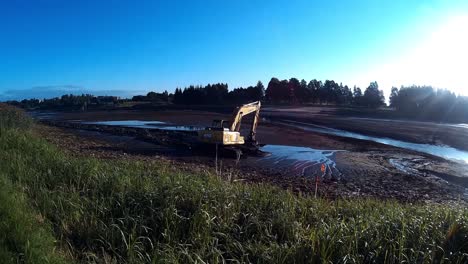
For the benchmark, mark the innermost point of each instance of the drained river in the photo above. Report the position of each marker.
(442, 151)
(445, 152)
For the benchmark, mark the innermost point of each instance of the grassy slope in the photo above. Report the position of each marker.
(24, 235)
(115, 211)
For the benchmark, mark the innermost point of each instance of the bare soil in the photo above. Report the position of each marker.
(407, 130)
(367, 169)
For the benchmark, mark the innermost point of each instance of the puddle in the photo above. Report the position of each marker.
(42, 115)
(127, 123)
(445, 152)
(402, 165)
(301, 160)
(461, 125)
(410, 122)
(145, 124)
(179, 128)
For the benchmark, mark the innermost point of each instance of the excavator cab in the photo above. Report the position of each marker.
(220, 135)
(218, 124)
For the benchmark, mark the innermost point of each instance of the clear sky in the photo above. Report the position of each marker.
(128, 47)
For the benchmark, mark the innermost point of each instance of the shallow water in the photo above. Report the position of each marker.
(145, 124)
(42, 115)
(127, 123)
(180, 128)
(445, 152)
(403, 166)
(461, 125)
(411, 122)
(301, 160)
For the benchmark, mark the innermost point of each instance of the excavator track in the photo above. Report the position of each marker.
(246, 150)
(231, 152)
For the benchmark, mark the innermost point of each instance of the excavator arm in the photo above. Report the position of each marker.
(245, 110)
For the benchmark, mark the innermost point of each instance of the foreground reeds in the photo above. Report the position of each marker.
(134, 212)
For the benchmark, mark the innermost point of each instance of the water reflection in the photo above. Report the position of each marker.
(301, 160)
(145, 124)
(440, 151)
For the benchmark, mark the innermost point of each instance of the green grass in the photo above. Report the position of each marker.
(134, 212)
(23, 237)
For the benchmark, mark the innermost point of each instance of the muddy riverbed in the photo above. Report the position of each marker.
(353, 166)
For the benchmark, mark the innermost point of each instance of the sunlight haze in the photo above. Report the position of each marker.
(438, 59)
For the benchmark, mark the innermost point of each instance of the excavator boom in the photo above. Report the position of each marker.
(243, 111)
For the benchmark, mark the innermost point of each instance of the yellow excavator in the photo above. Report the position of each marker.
(229, 138)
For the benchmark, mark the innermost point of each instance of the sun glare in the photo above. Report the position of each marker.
(440, 59)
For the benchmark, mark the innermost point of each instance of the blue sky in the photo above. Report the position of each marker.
(128, 47)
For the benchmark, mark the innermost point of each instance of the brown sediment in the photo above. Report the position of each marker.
(365, 166)
(405, 130)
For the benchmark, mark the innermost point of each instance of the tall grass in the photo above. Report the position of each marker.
(134, 212)
(24, 238)
(13, 118)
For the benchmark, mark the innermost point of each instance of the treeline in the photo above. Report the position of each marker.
(74, 102)
(163, 97)
(218, 94)
(425, 102)
(67, 101)
(290, 91)
(422, 102)
(293, 91)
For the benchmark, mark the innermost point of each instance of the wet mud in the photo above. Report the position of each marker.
(354, 167)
